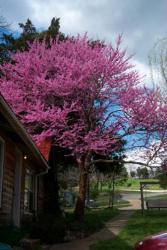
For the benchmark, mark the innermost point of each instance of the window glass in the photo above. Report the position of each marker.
(29, 192)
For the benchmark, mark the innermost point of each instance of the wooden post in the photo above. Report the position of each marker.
(142, 186)
(142, 198)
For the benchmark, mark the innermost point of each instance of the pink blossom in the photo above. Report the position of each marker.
(84, 98)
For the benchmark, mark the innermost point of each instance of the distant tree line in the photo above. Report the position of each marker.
(141, 173)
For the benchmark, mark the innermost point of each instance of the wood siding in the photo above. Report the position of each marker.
(10, 159)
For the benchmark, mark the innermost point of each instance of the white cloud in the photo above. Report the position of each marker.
(144, 155)
(44, 11)
(144, 72)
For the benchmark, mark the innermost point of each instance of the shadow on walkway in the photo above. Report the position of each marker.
(112, 228)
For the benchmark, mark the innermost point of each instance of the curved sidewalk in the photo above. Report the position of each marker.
(111, 229)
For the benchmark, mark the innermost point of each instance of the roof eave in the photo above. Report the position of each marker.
(20, 130)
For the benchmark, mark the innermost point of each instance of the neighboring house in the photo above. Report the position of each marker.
(22, 167)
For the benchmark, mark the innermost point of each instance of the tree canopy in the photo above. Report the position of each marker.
(84, 98)
(142, 173)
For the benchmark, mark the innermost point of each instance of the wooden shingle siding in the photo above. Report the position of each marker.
(6, 211)
(8, 178)
(41, 194)
(15, 142)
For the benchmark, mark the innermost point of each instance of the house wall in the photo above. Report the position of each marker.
(8, 180)
(10, 159)
(41, 194)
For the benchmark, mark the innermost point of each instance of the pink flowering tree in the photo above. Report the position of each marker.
(83, 96)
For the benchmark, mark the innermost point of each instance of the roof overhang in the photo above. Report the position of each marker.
(16, 125)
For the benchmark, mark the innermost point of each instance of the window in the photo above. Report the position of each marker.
(2, 145)
(29, 192)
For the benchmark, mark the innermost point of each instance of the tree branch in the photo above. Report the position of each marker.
(125, 162)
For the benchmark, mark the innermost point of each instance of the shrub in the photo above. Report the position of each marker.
(129, 184)
(11, 235)
(94, 192)
(49, 229)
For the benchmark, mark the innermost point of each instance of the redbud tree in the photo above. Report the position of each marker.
(83, 96)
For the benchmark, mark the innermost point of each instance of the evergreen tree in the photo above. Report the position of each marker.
(10, 43)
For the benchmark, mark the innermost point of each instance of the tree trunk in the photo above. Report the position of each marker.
(88, 189)
(113, 191)
(98, 181)
(101, 186)
(110, 192)
(80, 204)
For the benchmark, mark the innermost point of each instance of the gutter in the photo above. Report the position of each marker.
(36, 188)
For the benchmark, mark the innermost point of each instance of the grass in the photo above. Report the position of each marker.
(157, 197)
(11, 236)
(93, 221)
(136, 229)
(134, 184)
(102, 201)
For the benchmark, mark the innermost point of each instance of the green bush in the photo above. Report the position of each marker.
(129, 184)
(11, 235)
(49, 229)
(163, 180)
(94, 191)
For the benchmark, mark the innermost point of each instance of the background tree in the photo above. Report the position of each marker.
(10, 43)
(84, 98)
(158, 64)
(142, 173)
(4, 26)
(133, 174)
(161, 174)
(113, 171)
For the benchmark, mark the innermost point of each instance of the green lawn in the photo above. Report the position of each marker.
(102, 201)
(137, 228)
(157, 197)
(135, 184)
(93, 221)
(132, 184)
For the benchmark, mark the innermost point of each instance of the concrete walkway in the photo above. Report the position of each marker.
(145, 190)
(111, 229)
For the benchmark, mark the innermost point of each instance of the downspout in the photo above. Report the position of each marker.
(36, 188)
